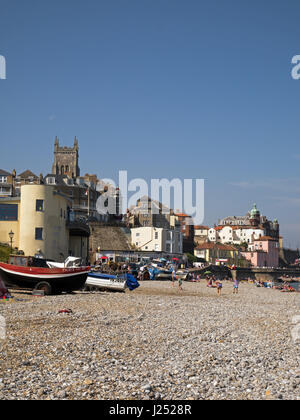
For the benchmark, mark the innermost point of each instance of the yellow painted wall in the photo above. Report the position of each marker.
(55, 243)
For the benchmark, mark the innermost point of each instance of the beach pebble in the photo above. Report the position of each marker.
(156, 343)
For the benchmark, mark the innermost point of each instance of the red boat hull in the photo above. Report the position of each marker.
(60, 279)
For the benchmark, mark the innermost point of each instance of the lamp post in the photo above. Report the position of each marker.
(11, 236)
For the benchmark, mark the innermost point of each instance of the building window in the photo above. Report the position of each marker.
(38, 234)
(8, 212)
(51, 180)
(156, 235)
(3, 179)
(39, 205)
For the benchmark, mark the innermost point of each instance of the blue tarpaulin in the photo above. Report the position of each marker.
(131, 282)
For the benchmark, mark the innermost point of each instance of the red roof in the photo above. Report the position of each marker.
(221, 247)
(266, 238)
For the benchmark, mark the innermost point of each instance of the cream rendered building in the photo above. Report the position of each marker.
(40, 223)
(43, 222)
(168, 241)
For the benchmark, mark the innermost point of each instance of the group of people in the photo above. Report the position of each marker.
(213, 282)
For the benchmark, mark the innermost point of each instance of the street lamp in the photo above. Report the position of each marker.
(11, 236)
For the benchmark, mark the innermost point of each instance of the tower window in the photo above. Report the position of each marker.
(38, 234)
(39, 205)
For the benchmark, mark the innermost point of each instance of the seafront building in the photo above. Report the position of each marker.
(219, 254)
(254, 237)
(39, 221)
(244, 229)
(160, 240)
(263, 252)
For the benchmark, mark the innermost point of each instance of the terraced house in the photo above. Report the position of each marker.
(6, 183)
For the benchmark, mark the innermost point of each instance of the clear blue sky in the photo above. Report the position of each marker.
(162, 88)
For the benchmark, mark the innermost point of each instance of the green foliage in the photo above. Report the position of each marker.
(4, 253)
(191, 257)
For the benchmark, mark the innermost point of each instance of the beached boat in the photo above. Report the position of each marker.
(159, 273)
(70, 262)
(101, 281)
(118, 283)
(184, 275)
(35, 274)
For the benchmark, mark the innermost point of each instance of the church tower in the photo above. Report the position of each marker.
(66, 160)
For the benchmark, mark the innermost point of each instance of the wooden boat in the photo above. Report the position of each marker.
(35, 274)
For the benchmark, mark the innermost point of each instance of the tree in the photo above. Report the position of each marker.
(191, 258)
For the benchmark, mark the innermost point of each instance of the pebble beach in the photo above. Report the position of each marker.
(155, 343)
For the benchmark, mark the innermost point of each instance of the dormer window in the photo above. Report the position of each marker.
(51, 180)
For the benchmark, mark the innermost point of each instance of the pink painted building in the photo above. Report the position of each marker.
(264, 252)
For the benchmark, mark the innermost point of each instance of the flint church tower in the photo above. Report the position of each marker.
(66, 160)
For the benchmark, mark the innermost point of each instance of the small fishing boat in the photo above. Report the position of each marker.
(159, 273)
(117, 283)
(35, 274)
(70, 262)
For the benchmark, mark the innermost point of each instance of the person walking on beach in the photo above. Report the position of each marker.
(173, 277)
(219, 286)
(235, 287)
(180, 283)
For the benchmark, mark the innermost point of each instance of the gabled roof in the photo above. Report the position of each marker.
(27, 174)
(212, 245)
(196, 227)
(3, 172)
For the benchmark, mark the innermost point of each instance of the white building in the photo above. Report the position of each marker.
(168, 241)
(235, 234)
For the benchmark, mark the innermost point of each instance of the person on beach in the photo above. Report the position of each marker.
(235, 287)
(180, 283)
(219, 286)
(173, 277)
